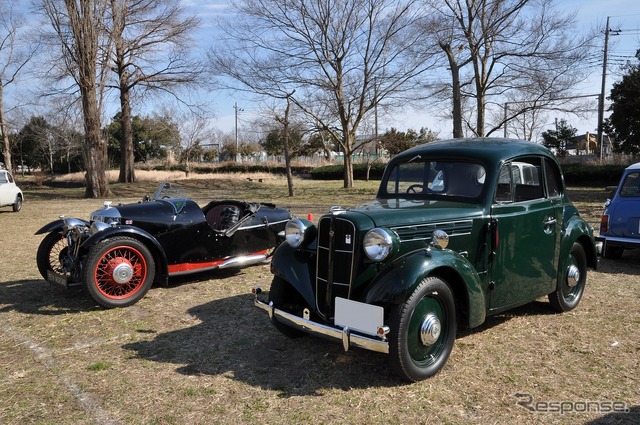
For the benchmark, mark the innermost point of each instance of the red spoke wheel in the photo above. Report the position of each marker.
(119, 271)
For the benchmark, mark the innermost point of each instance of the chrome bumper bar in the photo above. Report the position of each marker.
(344, 335)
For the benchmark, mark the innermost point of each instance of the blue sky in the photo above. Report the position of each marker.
(624, 14)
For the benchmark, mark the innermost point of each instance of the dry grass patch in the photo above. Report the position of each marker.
(199, 352)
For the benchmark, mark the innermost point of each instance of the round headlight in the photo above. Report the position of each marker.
(97, 226)
(377, 244)
(294, 232)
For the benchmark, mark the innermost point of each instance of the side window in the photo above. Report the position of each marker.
(3, 178)
(552, 177)
(520, 181)
(503, 191)
(631, 185)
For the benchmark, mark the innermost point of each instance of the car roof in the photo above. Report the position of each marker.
(486, 149)
(635, 166)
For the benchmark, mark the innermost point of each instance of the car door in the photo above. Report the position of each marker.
(528, 224)
(7, 195)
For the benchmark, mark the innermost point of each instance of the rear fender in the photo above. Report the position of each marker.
(578, 231)
(400, 279)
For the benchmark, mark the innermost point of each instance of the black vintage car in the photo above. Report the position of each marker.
(122, 250)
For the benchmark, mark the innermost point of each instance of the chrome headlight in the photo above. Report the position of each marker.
(98, 226)
(377, 244)
(440, 239)
(72, 223)
(297, 231)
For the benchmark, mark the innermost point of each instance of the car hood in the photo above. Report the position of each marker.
(145, 211)
(403, 212)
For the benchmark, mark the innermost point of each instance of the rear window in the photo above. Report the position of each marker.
(631, 185)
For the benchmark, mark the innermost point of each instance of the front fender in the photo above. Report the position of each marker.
(401, 278)
(296, 267)
(145, 237)
(57, 225)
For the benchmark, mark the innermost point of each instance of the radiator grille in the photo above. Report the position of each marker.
(337, 240)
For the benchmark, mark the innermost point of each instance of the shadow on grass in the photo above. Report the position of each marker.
(236, 340)
(632, 417)
(38, 297)
(627, 264)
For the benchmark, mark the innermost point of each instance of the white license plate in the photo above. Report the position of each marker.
(361, 317)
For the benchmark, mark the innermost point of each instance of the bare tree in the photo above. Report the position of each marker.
(14, 55)
(150, 44)
(78, 24)
(339, 58)
(524, 46)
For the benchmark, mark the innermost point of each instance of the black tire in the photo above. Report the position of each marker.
(423, 330)
(284, 297)
(17, 206)
(118, 271)
(50, 253)
(572, 282)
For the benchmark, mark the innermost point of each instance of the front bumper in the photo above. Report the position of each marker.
(335, 333)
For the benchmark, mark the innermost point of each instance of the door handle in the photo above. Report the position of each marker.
(550, 221)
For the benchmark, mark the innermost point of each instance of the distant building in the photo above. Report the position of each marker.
(587, 144)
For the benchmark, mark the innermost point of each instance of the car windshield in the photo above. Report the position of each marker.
(631, 185)
(423, 178)
(173, 194)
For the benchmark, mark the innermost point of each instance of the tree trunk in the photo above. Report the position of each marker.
(456, 111)
(287, 153)
(348, 160)
(83, 21)
(6, 147)
(127, 160)
(95, 149)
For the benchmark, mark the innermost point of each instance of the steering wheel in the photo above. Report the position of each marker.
(414, 188)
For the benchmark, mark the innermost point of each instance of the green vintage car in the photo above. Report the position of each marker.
(459, 230)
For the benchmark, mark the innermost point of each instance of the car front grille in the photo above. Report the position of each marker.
(337, 240)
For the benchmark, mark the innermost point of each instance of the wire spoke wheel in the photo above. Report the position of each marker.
(119, 271)
(51, 254)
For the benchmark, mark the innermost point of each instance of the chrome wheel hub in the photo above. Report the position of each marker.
(430, 329)
(573, 276)
(122, 273)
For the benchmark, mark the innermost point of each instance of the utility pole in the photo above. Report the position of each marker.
(235, 106)
(602, 93)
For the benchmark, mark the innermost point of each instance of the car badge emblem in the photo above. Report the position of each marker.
(128, 222)
(347, 239)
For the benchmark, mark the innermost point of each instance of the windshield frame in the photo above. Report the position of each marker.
(173, 194)
(458, 179)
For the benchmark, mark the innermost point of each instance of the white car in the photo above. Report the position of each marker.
(10, 194)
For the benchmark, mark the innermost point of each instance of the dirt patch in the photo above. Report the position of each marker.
(199, 352)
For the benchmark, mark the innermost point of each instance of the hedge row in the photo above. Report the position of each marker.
(592, 175)
(336, 172)
(574, 174)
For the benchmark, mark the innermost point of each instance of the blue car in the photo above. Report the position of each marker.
(620, 223)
